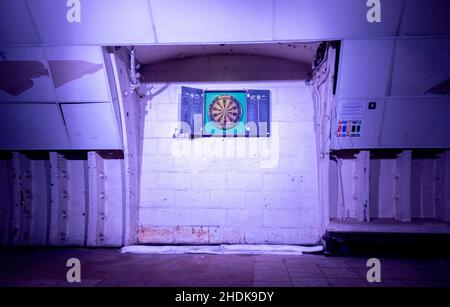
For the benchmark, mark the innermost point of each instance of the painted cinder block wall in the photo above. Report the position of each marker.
(229, 190)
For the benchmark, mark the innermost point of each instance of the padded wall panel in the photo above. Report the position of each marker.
(416, 123)
(331, 19)
(12, 11)
(397, 75)
(25, 76)
(420, 64)
(32, 126)
(124, 22)
(213, 21)
(103, 22)
(422, 17)
(91, 126)
(78, 74)
(365, 68)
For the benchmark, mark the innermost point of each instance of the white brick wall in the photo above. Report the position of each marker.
(216, 196)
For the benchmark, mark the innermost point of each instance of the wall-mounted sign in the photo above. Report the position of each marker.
(352, 109)
(349, 128)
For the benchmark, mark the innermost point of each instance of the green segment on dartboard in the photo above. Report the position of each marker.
(225, 113)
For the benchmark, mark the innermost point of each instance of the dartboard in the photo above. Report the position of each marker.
(225, 111)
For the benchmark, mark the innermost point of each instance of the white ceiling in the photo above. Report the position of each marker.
(299, 52)
(145, 22)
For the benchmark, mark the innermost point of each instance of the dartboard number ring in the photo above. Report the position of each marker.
(225, 112)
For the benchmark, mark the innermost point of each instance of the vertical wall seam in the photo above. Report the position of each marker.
(33, 22)
(150, 10)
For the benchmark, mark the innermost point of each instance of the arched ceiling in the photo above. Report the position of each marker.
(299, 52)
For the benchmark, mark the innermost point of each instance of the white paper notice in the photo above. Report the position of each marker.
(352, 109)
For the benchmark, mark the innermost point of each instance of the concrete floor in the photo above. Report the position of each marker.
(108, 267)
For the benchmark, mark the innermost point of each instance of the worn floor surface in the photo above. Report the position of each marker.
(108, 267)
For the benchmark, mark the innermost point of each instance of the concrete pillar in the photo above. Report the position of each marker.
(361, 186)
(97, 197)
(402, 187)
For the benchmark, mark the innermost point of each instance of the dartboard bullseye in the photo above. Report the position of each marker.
(225, 112)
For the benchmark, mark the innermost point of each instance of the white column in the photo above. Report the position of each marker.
(97, 196)
(60, 197)
(402, 187)
(361, 186)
